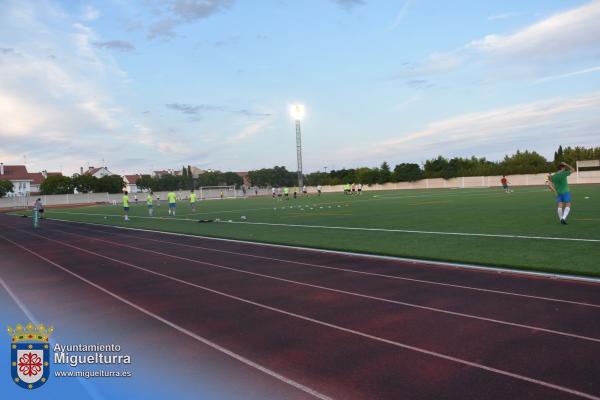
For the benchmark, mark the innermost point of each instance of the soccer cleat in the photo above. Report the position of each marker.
(562, 221)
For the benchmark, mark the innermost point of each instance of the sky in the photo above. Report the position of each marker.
(146, 85)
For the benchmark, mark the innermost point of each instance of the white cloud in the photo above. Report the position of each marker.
(56, 104)
(401, 14)
(90, 13)
(529, 125)
(502, 16)
(571, 33)
(568, 74)
(564, 32)
(250, 130)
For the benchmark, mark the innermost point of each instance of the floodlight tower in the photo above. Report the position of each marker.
(297, 111)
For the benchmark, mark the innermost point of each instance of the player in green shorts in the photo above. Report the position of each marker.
(172, 199)
(126, 205)
(193, 201)
(559, 184)
(149, 204)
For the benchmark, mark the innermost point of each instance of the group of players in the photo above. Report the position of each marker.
(280, 194)
(171, 200)
(557, 182)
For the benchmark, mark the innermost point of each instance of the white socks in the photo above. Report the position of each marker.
(564, 214)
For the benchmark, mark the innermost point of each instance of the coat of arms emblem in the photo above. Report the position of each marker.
(30, 355)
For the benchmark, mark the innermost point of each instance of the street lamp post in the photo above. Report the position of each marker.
(297, 111)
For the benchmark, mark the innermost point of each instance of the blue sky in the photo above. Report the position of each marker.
(154, 84)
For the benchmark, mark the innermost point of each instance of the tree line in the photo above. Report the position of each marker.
(521, 162)
(186, 180)
(83, 184)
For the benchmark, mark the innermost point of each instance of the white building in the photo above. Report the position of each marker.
(24, 182)
(130, 183)
(97, 172)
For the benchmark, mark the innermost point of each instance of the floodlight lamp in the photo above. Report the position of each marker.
(297, 111)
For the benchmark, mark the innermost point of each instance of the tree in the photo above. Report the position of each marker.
(5, 187)
(407, 172)
(385, 175)
(276, 176)
(558, 156)
(231, 178)
(57, 185)
(435, 168)
(85, 183)
(146, 182)
(110, 184)
(168, 182)
(525, 162)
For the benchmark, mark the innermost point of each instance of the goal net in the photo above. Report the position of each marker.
(218, 192)
(588, 164)
(588, 171)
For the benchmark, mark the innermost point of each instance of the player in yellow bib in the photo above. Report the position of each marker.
(149, 204)
(126, 205)
(193, 201)
(172, 199)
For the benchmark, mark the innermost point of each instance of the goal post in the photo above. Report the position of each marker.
(585, 165)
(218, 192)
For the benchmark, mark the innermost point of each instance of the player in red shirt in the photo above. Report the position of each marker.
(505, 183)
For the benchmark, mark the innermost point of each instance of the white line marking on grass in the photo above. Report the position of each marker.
(355, 294)
(445, 264)
(302, 317)
(384, 196)
(353, 228)
(578, 303)
(191, 334)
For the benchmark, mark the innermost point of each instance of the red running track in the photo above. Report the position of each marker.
(342, 326)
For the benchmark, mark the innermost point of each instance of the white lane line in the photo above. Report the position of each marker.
(529, 274)
(355, 294)
(87, 386)
(199, 338)
(333, 326)
(552, 299)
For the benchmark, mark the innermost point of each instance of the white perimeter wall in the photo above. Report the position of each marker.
(583, 177)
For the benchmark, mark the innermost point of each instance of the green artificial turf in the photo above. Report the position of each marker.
(528, 212)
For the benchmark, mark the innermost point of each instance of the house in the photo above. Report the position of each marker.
(196, 171)
(130, 183)
(97, 172)
(37, 178)
(24, 182)
(245, 177)
(158, 174)
(19, 177)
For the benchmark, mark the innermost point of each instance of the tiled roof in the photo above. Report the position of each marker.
(36, 178)
(15, 173)
(132, 179)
